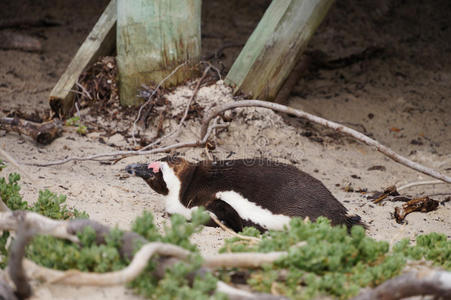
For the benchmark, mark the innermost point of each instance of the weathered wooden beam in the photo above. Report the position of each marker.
(272, 50)
(153, 38)
(100, 41)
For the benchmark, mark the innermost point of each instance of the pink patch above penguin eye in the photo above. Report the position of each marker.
(155, 166)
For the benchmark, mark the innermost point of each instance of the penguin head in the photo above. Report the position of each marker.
(151, 174)
(156, 173)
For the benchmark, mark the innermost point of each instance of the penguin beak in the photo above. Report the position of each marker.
(140, 170)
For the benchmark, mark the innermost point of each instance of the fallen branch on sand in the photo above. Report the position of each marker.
(42, 133)
(423, 204)
(120, 154)
(321, 121)
(206, 130)
(27, 224)
(423, 282)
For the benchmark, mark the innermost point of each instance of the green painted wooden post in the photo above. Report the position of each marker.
(153, 38)
(272, 50)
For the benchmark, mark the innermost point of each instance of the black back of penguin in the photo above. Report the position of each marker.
(280, 188)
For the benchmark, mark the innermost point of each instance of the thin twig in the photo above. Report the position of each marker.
(18, 166)
(213, 67)
(185, 115)
(206, 128)
(227, 229)
(318, 120)
(122, 154)
(150, 99)
(418, 183)
(84, 91)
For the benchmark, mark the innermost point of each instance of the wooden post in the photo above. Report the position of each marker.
(275, 45)
(100, 42)
(153, 38)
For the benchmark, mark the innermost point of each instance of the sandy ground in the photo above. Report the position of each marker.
(401, 98)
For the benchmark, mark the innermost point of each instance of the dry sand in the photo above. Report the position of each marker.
(402, 99)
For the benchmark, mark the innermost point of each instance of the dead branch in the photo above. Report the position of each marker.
(10, 221)
(390, 191)
(424, 204)
(6, 291)
(176, 131)
(68, 229)
(122, 154)
(138, 264)
(418, 183)
(150, 98)
(206, 130)
(425, 282)
(43, 133)
(227, 229)
(242, 260)
(321, 121)
(15, 261)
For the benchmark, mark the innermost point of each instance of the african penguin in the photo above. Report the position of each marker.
(244, 192)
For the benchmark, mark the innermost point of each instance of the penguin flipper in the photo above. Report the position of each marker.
(225, 213)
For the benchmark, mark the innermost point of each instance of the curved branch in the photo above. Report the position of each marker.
(227, 229)
(424, 282)
(242, 260)
(321, 121)
(42, 225)
(138, 264)
(418, 183)
(37, 224)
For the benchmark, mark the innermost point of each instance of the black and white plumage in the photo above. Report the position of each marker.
(253, 192)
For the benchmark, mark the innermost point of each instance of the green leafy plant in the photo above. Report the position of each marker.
(76, 122)
(325, 259)
(9, 192)
(48, 204)
(321, 259)
(91, 257)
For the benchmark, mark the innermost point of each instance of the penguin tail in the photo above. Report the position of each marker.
(355, 220)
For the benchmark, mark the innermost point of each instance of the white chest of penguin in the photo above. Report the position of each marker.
(172, 199)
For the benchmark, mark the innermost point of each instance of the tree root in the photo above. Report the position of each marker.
(43, 133)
